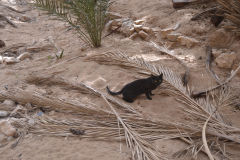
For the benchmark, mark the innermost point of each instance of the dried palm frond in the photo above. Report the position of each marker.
(210, 156)
(231, 10)
(197, 111)
(87, 17)
(141, 149)
(164, 50)
(102, 125)
(84, 88)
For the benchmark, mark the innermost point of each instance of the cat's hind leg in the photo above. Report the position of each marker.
(148, 95)
(127, 99)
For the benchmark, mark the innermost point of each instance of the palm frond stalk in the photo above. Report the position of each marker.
(87, 17)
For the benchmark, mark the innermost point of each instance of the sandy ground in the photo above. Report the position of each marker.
(41, 27)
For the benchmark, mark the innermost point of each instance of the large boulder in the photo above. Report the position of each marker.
(220, 39)
(226, 60)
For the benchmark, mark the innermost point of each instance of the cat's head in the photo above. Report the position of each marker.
(157, 80)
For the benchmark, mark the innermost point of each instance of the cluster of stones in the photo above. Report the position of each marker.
(26, 53)
(177, 38)
(138, 28)
(221, 41)
(128, 27)
(10, 113)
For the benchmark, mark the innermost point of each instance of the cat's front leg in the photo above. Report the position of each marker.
(148, 95)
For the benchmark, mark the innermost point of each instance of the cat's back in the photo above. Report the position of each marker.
(137, 84)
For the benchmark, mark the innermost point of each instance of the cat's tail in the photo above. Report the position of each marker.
(114, 93)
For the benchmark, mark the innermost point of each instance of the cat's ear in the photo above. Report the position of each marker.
(161, 75)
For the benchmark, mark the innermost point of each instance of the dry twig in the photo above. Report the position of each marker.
(210, 156)
(209, 66)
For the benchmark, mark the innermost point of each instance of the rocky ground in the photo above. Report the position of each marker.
(30, 41)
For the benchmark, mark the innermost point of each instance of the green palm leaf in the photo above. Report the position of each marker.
(86, 16)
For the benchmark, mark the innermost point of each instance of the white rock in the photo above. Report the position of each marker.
(139, 21)
(24, 56)
(226, 60)
(165, 32)
(3, 114)
(1, 59)
(9, 102)
(187, 41)
(137, 28)
(143, 35)
(156, 29)
(10, 60)
(7, 129)
(173, 37)
(147, 30)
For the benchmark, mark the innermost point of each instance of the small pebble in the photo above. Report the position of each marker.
(9, 102)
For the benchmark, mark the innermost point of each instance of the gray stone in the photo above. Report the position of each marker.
(3, 114)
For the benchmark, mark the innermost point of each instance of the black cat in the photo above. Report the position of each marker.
(135, 88)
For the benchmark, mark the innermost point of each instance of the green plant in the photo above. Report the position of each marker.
(60, 55)
(86, 16)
